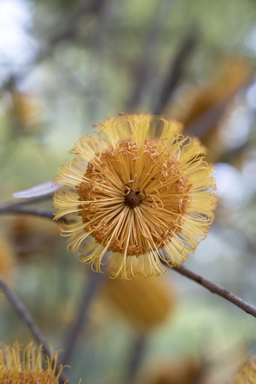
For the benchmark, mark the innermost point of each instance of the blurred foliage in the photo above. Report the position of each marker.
(66, 65)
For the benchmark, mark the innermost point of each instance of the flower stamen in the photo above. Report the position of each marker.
(161, 213)
(132, 199)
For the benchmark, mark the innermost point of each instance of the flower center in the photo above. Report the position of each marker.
(132, 199)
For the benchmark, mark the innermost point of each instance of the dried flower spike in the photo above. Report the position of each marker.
(135, 199)
(19, 366)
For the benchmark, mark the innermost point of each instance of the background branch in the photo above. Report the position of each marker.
(177, 68)
(71, 28)
(27, 319)
(218, 290)
(32, 200)
(137, 355)
(15, 208)
(146, 63)
(88, 293)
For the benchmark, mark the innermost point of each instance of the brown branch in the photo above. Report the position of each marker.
(176, 72)
(71, 28)
(9, 204)
(89, 291)
(32, 200)
(146, 63)
(20, 209)
(137, 356)
(15, 208)
(27, 319)
(218, 290)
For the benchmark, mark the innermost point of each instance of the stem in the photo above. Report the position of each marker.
(146, 66)
(137, 356)
(16, 208)
(218, 290)
(27, 319)
(177, 70)
(89, 291)
(27, 211)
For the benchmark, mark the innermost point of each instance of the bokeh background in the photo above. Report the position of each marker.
(66, 65)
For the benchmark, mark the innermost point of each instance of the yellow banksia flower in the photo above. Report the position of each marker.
(247, 373)
(19, 366)
(136, 199)
(144, 303)
(184, 370)
(27, 110)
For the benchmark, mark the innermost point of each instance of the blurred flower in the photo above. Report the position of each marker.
(27, 111)
(30, 235)
(247, 373)
(25, 366)
(142, 198)
(234, 74)
(185, 371)
(145, 303)
(7, 257)
(192, 103)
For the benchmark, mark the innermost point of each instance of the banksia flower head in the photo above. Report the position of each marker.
(172, 371)
(25, 366)
(134, 198)
(145, 303)
(247, 373)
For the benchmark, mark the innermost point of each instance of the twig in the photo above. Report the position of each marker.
(15, 208)
(176, 72)
(218, 290)
(137, 355)
(89, 291)
(23, 313)
(98, 42)
(32, 200)
(70, 30)
(25, 201)
(146, 62)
